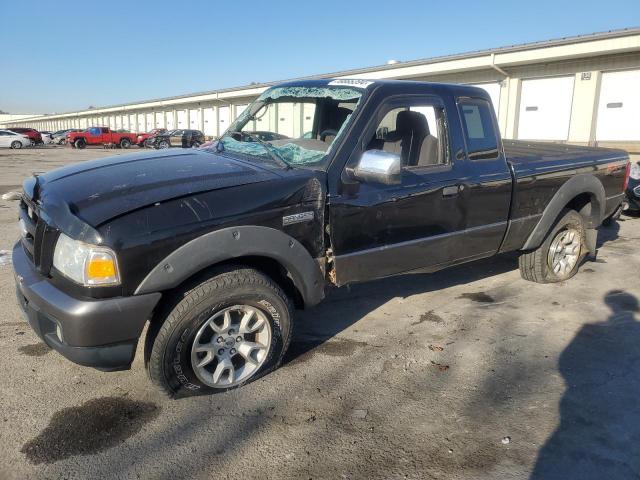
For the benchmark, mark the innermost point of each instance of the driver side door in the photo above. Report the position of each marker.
(378, 230)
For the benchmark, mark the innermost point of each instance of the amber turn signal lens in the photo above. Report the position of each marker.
(101, 268)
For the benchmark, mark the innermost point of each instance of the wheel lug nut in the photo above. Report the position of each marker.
(220, 340)
(221, 351)
(239, 339)
(232, 351)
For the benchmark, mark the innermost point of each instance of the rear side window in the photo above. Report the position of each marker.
(479, 130)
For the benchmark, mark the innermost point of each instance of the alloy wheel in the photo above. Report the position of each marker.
(231, 346)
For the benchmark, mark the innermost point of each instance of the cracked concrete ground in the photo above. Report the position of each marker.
(469, 373)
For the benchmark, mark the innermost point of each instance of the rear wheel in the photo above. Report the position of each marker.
(163, 144)
(224, 332)
(16, 144)
(125, 143)
(80, 143)
(560, 255)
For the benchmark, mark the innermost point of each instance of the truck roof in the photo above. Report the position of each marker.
(372, 84)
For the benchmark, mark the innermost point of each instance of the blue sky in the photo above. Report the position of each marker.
(67, 55)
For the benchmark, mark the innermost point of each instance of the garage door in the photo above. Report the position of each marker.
(132, 123)
(223, 119)
(209, 127)
(141, 126)
(618, 106)
(169, 118)
(182, 119)
(239, 110)
(493, 89)
(159, 119)
(545, 108)
(149, 121)
(194, 119)
(285, 119)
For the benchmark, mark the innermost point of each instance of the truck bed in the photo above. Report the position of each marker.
(541, 168)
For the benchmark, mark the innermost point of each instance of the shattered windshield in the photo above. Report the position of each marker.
(292, 126)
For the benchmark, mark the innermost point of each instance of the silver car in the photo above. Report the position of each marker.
(13, 140)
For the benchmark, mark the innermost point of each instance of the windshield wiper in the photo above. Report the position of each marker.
(273, 153)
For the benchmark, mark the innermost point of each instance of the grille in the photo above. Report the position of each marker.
(38, 238)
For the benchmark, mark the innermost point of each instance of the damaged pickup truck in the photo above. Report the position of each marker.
(216, 247)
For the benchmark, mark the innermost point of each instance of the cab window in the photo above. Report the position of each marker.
(415, 132)
(479, 131)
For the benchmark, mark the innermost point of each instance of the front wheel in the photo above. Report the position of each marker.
(560, 255)
(80, 143)
(125, 143)
(224, 332)
(16, 144)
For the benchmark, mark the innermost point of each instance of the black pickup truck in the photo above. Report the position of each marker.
(216, 247)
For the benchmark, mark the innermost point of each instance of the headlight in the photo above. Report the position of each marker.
(634, 172)
(85, 264)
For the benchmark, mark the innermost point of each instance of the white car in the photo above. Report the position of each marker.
(13, 140)
(47, 137)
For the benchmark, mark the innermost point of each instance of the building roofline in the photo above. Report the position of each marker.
(611, 34)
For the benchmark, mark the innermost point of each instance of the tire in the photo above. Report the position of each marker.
(80, 143)
(171, 364)
(162, 145)
(125, 143)
(16, 145)
(538, 265)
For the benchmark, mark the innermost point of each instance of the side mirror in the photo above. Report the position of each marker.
(377, 166)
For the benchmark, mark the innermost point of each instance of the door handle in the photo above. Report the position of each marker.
(451, 191)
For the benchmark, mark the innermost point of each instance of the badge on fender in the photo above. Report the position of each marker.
(297, 218)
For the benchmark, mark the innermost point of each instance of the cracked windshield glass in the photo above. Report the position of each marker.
(291, 126)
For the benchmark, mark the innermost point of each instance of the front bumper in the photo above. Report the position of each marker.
(95, 333)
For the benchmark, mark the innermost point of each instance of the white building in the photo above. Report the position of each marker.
(583, 89)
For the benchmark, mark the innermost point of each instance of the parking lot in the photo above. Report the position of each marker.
(468, 373)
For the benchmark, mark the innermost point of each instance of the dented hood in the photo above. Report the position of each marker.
(99, 190)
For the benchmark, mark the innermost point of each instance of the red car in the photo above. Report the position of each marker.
(31, 133)
(100, 136)
(143, 137)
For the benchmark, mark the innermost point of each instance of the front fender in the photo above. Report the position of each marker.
(237, 242)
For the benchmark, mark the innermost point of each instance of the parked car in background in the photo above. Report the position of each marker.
(143, 137)
(100, 136)
(633, 189)
(217, 246)
(177, 138)
(32, 133)
(268, 136)
(60, 136)
(47, 137)
(13, 140)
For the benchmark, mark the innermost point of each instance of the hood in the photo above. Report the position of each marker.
(99, 190)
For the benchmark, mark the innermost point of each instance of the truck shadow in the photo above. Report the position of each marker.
(609, 233)
(347, 305)
(599, 425)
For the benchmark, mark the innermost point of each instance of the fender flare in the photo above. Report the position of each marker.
(577, 185)
(236, 242)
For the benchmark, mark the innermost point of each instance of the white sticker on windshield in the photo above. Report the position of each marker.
(351, 82)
